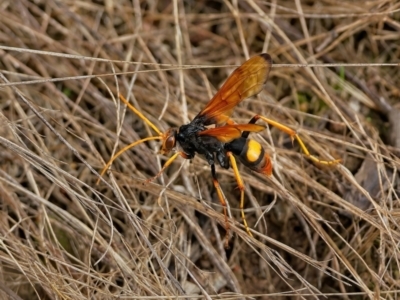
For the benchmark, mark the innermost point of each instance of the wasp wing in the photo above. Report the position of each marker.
(246, 81)
(228, 133)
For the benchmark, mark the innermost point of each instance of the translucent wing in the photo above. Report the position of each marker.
(246, 81)
(228, 133)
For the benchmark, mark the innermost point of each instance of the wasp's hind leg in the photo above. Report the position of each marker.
(222, 200)
(240, 184)
(293, 135)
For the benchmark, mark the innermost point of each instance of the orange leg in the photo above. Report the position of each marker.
(293, 136)
(241, 188)
(166, 165)
(222, 200)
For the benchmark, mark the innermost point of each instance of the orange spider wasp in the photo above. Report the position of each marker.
(227, 141)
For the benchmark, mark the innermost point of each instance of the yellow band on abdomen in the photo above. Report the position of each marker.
(253, 152)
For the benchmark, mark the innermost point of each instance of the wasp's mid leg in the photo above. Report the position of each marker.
(293, 136)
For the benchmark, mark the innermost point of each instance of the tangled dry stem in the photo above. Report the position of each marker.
(319, 231)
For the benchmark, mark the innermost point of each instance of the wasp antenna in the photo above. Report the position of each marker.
(151, 138)
(147, 121)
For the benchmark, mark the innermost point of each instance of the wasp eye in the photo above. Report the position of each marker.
(169, 141)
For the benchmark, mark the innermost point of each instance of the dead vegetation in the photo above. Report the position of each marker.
(319, 232)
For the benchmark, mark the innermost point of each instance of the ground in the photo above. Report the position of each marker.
(318, 231)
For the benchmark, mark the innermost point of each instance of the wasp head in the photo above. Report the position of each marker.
(169, 141)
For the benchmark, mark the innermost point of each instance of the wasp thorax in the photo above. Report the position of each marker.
(169, 141)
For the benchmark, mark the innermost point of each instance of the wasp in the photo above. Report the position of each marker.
(215, 136)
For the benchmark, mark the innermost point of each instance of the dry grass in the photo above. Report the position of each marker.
(319, 232)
